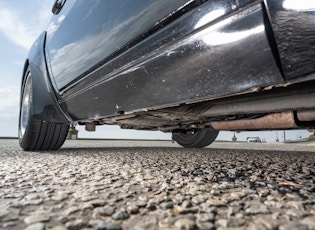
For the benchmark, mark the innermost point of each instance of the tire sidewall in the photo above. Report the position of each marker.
(190, 141)
(200, 138)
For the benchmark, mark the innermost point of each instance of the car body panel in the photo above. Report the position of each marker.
(293, 26)
(45, 106)
(97, 29)
(205, 64)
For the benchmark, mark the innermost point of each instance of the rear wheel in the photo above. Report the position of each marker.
(35, 134)
(195, 138)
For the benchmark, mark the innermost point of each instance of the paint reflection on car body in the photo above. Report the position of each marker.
(92, 30)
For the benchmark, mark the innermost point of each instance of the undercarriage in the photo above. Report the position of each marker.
(289, 107)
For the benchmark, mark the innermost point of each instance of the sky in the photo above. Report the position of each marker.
(21, 22)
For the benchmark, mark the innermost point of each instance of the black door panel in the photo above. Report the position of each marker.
(93, 29)
(222, 58)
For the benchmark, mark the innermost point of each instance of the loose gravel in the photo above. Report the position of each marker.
(99, 185)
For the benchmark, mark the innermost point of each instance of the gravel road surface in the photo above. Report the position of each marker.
(157, 185)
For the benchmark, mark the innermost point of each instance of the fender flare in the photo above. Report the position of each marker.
(45, 105)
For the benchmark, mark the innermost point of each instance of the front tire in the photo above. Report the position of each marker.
(196, 138)
(36, 134)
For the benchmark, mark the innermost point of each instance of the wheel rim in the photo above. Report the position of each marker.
(25, 106)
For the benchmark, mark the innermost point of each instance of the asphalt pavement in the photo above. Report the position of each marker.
(98, 184)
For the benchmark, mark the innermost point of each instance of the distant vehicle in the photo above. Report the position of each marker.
(253, 139)
(188, 67)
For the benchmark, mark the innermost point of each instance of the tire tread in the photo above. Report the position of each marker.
(43, 136)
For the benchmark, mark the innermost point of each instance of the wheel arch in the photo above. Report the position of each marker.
(45, 102)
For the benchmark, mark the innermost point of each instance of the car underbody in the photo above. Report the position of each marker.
(272, 108)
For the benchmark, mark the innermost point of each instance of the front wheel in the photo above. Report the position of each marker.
(196, 138)
(35, 134)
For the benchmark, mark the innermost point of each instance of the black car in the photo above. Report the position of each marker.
(189, 67)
